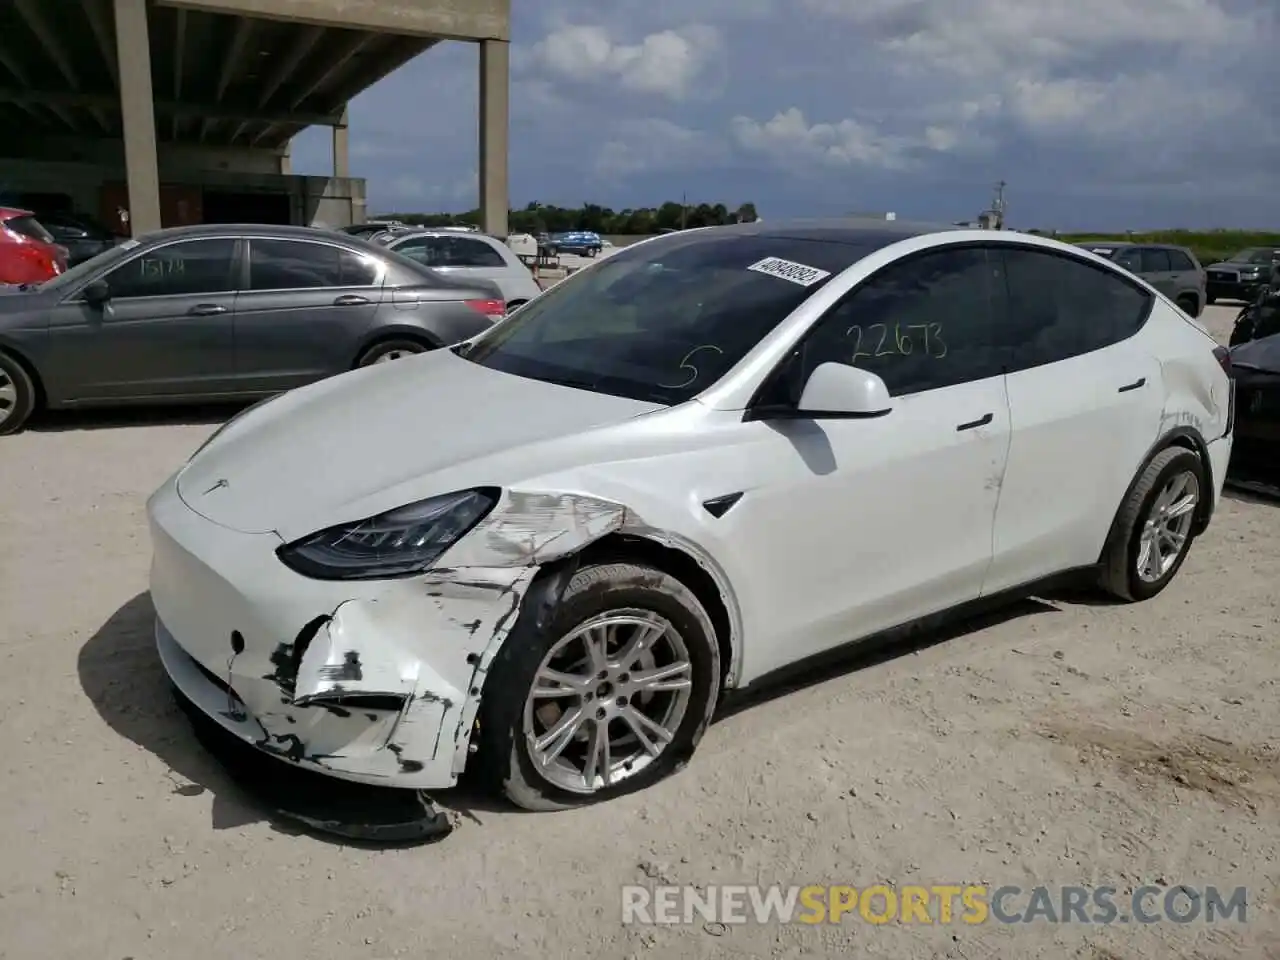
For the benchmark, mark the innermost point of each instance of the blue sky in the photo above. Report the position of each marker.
(1100, 114)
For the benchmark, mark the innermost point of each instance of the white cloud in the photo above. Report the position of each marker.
(789, 137)
(997, 35)
(671, 63)
(635, 146)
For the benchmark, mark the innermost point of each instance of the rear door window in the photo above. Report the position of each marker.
(1058, 307)
(1179, 260)
(465, 252)
(1155, 260)
(304, 265)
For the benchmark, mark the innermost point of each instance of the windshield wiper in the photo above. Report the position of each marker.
(570, 382)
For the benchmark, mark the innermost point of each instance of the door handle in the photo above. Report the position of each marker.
(351, 300)
(206, 310)
(976, 423)
(1136, 385)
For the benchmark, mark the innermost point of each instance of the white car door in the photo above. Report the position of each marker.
(1086, 398)
(858, 525)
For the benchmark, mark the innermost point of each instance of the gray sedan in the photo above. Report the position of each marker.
(214, 313)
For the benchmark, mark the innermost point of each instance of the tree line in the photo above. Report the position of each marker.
(640, 221)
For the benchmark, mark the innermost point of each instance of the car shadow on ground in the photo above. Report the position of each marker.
(121, 674)
(59, 421)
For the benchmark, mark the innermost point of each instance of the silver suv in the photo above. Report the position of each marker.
(1174, 271)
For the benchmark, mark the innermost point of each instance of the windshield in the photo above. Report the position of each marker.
(665, 320)
(81, 271)
(1253, 255)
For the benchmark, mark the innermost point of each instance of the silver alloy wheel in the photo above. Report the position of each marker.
(393, 355)
(607, 700)
(8, 396)
(1168, 526)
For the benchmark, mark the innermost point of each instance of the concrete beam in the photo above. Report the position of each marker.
(341, 148)
(230, 65)
(186, 108)
(332, 65)
(133, 57)
(96, 12)
(495, 113)
(449, 19)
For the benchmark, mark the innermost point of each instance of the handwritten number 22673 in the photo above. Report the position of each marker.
(880, 341)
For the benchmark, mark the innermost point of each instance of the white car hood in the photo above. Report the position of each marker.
(390, 434)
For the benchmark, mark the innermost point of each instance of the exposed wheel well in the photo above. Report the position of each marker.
(677, 563)
(30, 368)
(381, 338)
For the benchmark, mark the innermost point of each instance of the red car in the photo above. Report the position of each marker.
(28, 253)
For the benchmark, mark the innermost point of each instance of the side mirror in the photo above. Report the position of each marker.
(839, 390)
(835, 391)
(96, 293)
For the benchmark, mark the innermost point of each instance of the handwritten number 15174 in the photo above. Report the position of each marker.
(882, 340)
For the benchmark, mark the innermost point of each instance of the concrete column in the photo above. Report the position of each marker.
(286, 160)
(137, 108)
(341, 148)
(495, 93)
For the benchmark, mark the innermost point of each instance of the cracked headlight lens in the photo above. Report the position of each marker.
(398, 543)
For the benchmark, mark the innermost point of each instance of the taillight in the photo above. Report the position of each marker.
(1223, 356)
(490, 308)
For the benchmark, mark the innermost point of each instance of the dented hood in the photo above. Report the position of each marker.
(404, 430)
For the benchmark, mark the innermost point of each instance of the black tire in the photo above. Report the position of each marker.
(503, 760)
(1118, 574)
(515, 305)
(379, 352)
(1189, 304)
(1210, 300)
(16, 409)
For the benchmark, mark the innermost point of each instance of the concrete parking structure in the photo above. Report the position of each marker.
(179, 111)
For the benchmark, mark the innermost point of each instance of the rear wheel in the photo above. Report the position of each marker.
(17, 395)
(1153, 531)
(389, 350)
(612, 695)
(1189, 304)
(1210, 300)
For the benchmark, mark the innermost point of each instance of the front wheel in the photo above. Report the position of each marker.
(17, 395)
(1153, 530)
(612, 695)
(389, 350)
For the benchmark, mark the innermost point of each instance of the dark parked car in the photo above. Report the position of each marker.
(223, 313)
(82, 236)
(1255, 367)
(1174, 271)
(1243, 275)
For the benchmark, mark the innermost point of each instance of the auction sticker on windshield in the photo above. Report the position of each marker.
(805, 276)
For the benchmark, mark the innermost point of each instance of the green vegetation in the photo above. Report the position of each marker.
(643, 221)
(1209, 246)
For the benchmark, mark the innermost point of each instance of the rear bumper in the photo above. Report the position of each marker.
(1219, 290)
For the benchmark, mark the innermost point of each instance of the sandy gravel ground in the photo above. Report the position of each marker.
(1066, 741)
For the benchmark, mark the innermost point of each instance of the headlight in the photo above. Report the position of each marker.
(247, 410)
(398, 543)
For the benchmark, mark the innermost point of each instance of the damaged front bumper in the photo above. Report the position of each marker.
(376, 682)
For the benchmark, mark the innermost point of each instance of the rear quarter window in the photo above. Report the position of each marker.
(30, 228)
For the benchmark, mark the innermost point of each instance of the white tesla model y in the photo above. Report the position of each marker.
(548, 551)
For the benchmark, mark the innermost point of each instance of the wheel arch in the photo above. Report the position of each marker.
(706, 583)
(1188, 438)
(383, 334)
(27, 364)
